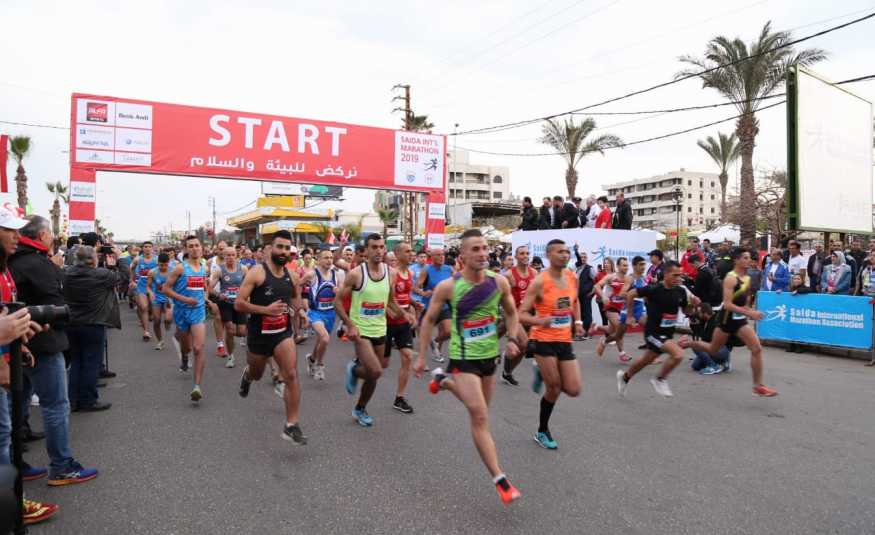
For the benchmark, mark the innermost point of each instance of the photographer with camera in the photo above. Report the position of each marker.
(38, 281)
(90, 293)
(12, 327)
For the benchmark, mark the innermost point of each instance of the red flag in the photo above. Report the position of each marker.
(4, 144)
(331, 238)
(344, 236)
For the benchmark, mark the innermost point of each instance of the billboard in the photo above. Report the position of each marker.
(597, 243)
(829, 155)
(830, 320)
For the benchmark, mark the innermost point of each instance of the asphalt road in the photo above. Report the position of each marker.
(711, 460)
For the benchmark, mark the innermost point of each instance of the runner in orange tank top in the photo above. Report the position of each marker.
(553, 296)
(520, 277)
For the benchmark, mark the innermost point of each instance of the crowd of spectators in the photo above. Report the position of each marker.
(558, 213)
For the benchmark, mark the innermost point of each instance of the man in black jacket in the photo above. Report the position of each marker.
(90, 294)
(531, 219)
(569, 216)
(546, 213)
(706, 286)
(38, 281)
(622, 214)
(585, 284)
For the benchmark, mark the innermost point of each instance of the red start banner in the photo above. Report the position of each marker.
(116, 134)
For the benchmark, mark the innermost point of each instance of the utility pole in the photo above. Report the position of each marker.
(213, 204)
(188, 213)
(407, 209)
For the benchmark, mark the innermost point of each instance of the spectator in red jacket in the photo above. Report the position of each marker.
(692, 248)
(604, 218)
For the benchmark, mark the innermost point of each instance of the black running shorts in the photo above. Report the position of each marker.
(729, 323)
(226, 310)
(560, 350)
(656, 342)
(264, 345)
(478, 367)
(401, 336)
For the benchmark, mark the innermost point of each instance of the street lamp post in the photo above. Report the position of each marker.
(678, 195)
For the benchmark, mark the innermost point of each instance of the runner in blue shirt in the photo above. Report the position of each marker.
(428, 279)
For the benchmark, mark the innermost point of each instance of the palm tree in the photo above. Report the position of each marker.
(724, 152)
(60, 192)
(387, 216)
(19, 146)
(418, 123)
(569, 140)
(746, 82)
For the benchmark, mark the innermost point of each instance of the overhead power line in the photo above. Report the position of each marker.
(516, 124)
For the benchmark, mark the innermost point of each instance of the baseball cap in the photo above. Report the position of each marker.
(349, 248)
(9, 218)
(293, 249)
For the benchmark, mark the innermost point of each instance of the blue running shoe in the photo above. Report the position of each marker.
(30, 473)
(362, 417)
(545, 440)
(351, 379)
(537, 381)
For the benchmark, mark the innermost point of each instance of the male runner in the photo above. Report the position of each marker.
(323, 280)
(474, 296)
(429, 278)
(520, 278)
(186, 285)
(663, 301)
(214, 265)
(229, 276)
(140, 269)
(733, 320)
(639, 312)
(268, 292)
(614, 299)
(400, 331)
(554, 298)
(371, 294)
(161, 308)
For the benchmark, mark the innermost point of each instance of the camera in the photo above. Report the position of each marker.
(105, 249)
(53, 315)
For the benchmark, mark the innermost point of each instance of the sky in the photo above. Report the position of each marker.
(474, 64)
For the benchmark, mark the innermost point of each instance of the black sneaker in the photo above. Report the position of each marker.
(183, 363)
(401, 405)
(245, 383)
(643, 346)
(508, 379)
(293, 433)
(106, 374)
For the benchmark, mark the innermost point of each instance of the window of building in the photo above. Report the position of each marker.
(701, 183)
(689, 222)
(712, 184)
(701, 210)
(689, 195)
(712, 197)
(701, 197)
(496, 179)
(497, 195)
(689, 209)
(689, 182)
(712, 209)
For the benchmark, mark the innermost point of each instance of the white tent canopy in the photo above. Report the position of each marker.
(722, 233)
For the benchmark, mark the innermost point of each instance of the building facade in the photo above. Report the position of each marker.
(655, 206)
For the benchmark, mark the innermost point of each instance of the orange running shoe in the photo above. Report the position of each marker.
(764, 392)
(438, 377)
(36, 512)
(507, 492)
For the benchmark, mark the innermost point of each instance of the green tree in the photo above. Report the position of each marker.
(19, 147)
(724, 152)
(570, 141)
(60, 192)
(387, 216)
(419, 123)
(746, 82)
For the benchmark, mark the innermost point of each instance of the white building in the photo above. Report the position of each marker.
(471, 182)
(654, 204)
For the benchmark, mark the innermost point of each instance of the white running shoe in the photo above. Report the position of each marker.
(311, 365)
(320, 372)
(230, 362)
(622, 385)
(279, 389)
(661, 387)
(436, 352)
(159, 346)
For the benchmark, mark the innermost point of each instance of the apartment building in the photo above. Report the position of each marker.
(471, 182)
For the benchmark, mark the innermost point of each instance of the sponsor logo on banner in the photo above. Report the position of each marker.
(82, 191)
(96, 112)
(78, 226)
(94, 137)
(419, 159)
(437, 210)
(133, 158)
(133, 115)
(598, 243)
(93, 156)
(835, 320)
(129, 139)
(435, 240)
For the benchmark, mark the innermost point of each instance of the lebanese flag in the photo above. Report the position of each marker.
(331, 239)
(4, 154)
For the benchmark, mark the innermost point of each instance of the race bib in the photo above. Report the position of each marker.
(473, 330)
(144, 273)
(231, 292)
(196, 283)
(668, 321)
(274, 324)
(560, 319)
(373, 310)
(325, 303)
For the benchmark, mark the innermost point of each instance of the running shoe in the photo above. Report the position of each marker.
(159, 346)
(351, 379)
(643, 346)
(320, 372)
(220, 350)
(197, 394)
(545, 440)
(764, 392)
(293, 434)
(506, 491)
(624, 357)
(438, 377)
(183, 363)
(622, 384)
(708, 370)
(362, 417)
(36, 512)
(245, 383)
(230, 362)
(509, 379)
(401, 405)
(76, 474)
(661, 387)
(146, 336)
(31, 473)
(719, 368)
(311, 365)
(279, 388)
(600, 348)
(537, 380)
(436, 352)
(727, 368)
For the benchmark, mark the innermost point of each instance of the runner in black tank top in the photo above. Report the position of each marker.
(267, 294)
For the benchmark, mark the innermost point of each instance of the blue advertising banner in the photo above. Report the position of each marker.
(830, 320)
